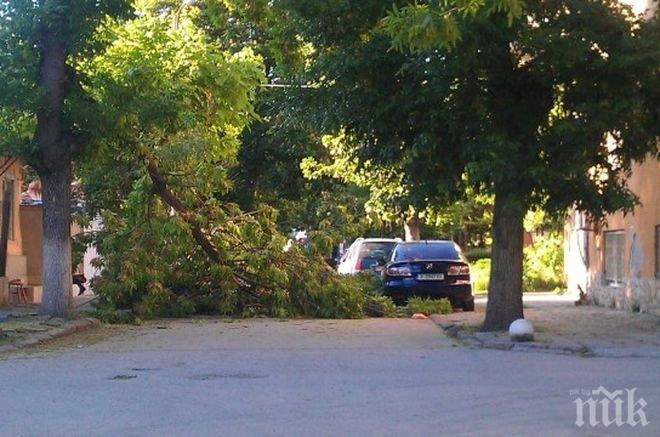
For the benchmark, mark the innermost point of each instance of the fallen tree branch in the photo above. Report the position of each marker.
(163, 191)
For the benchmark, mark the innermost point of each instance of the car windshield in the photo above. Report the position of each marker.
(377, 250)
(444, 250)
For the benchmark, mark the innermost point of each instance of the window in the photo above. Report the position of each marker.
(377, 250)
(439, 250)
(657, 251)
(614, 257)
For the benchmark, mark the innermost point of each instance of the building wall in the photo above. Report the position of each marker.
(16, 260)
(31, 224)
(584, 243)
(87, 268)
(585, 249)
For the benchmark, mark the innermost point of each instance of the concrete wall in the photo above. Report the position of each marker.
(90, 255)
(31, 224)
(584, 243)
(16, 260)
(639, 289)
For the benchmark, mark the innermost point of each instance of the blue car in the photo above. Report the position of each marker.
(434, 269)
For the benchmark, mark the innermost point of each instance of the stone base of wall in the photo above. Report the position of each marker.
(636, 295)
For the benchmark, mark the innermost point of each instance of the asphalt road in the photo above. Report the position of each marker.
(267, 377)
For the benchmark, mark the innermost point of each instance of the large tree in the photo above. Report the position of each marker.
(560, 104)
(42, 112)
(545, 111)
(375, 117)
(267, 170)
(174, 105)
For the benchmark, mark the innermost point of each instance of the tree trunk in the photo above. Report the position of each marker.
(57, 297)
(505, 289)
(54, 159)
(411, 227)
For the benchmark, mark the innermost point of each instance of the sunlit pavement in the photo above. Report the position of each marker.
(601, 331)
(544, 297)
(268, 377)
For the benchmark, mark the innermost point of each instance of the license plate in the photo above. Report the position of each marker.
(431, 276)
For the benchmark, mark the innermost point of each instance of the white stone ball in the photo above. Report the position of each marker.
(521, 330)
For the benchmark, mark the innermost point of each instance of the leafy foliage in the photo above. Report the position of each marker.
(544, 111)
(43, 116)
(424, 26)
(380, 306)
(156, 270)
(543, 263)
(480, 274)
(21, 22)
(174, 105)
(467, 221)
(428, 306)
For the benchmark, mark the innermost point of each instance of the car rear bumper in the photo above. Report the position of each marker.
(403, 289)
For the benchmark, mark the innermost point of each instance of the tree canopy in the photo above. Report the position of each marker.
(545, 111)
(44, 112)
(201, 132)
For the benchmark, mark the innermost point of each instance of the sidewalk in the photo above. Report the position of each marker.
(23, 326)
(561, 327)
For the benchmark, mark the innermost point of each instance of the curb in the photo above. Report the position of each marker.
(456, 331)
(77, 325)
(473, 341)
(480, 341)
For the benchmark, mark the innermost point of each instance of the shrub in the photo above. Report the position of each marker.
(477, 254)
(379, 306)
(428, 306)
(480, 274)
(543, 263)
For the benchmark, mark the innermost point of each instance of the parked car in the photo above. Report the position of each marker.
(366, 254)
(433, 269)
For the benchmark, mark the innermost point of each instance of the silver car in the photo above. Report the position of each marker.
(366, 254)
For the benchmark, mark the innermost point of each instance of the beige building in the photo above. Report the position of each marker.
(13, 262)
(21, 255)
(617, 263)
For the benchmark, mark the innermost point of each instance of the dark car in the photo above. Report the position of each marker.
(433, 269)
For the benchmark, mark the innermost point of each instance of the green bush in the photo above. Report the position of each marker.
(543, 263)
(480, 274)
(379, 306)
(428, 306)
(476, 254)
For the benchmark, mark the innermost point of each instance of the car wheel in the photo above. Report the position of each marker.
(468, 306)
